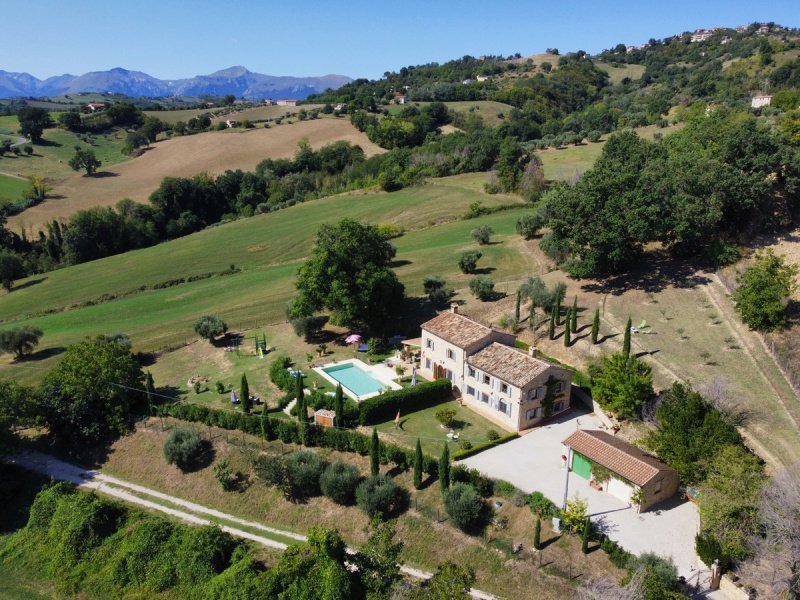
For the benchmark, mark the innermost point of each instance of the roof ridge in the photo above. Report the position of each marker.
(602, 438)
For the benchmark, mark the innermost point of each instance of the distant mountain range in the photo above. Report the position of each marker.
(234, 80)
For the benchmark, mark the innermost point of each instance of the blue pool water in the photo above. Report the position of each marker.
(355, 379)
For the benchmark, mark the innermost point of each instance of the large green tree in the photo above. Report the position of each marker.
(92, 392)
(33, 121)
(84, 159)
(764, 291)
(11, 268)
(348, 273)
(621, 385)
(19, 340)
(690, 432)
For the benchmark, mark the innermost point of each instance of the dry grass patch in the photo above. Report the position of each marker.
(185, 156)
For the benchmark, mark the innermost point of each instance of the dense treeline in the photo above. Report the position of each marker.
(699, 192)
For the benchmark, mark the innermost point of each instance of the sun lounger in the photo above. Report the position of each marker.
(363, 347)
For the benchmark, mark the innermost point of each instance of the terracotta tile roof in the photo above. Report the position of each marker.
(630, 462)
(457, 329)
(509, 364)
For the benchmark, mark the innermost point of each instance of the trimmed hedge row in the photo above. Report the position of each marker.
(292, 432)
(477, 448)
(385, 406)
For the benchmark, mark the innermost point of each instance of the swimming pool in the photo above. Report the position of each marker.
(355, 379)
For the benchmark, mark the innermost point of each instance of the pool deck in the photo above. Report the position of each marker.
(380, 372)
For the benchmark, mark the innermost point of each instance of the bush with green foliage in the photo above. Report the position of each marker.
(385, 406)
(477, 448)
(492, 435)
(279, 375)
(482, 234)
(463, 506)
(542, 505)
(482, 484)
(621, 385)
(209, 327)
(436, 290)
(709, 549)
(183, 447)
(20, 340)
(304, 469)
(528, 225)
(223, 473)
(339, 482)
(468, 262)
(764, 291)
(482, 287)
(380, 496)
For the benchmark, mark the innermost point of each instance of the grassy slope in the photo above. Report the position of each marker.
(618, 73)
(11, 188)
(487, 109)
(268, 248)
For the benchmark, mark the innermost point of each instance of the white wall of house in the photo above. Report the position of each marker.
(620, 489)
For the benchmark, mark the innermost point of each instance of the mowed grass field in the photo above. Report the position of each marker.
(211, 152)
(268, 249)
(12, 188)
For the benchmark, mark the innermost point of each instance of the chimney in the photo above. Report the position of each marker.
(532, 351)
(454, 308)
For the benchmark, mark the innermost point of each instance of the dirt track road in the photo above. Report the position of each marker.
(188, 512)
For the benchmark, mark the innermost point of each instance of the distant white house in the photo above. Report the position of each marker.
(759, 101)
(763, 30)
(231, 123)
(401, 99)
(95, 106)
(287, 103)
(467, 81)
(482, 78)
(701, 35)
(340, 107)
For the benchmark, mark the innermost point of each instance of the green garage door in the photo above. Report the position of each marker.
(581, 466)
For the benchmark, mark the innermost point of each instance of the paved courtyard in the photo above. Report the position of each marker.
(533, 463)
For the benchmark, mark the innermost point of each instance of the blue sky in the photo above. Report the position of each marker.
(173, 39)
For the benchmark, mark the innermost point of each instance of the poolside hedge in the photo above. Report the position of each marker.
(293, 432)
(385, 406)
(462, 454)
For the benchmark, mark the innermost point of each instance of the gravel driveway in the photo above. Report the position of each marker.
(533, 463)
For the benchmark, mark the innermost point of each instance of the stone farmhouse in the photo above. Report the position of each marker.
(508, 386)
(631, 468)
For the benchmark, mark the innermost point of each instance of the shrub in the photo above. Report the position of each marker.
(477, 448)
(593, 136)
(463, 505)
(529, 225)
(465, 445)
(574, 518)
(618, 556)
(209, 327)
(339, 482)
(482, 287)
(542, 506)
(469, 261)
(19, 340)
(709, 549)
(279, 375)
(482, 234)
(220, 387)
(304, 469)
(483, 485)
(445, 416)
(380, 496)
(492, 435)
(385, 406)
(224, 474)
(183, 446)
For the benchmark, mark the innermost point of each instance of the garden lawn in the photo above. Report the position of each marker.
(423, 424)
(12, 188)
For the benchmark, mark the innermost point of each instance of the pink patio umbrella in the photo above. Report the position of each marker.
(353, 339)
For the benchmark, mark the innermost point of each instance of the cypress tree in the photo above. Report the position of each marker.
(557, 310)
(338, 406)
(552, 331)
(567, 335)
(532, 316)
(444, 469)
(587, 527)
(418, 466)
(537, 535)
(573, 323)
(148, 384)
(596, 325)
(374, 454)
(302, 413)
(626, 340)
(517, 307)
(263, 422)
(244, 395)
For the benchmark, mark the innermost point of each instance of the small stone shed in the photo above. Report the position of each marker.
(631, 468)
(324, 418)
